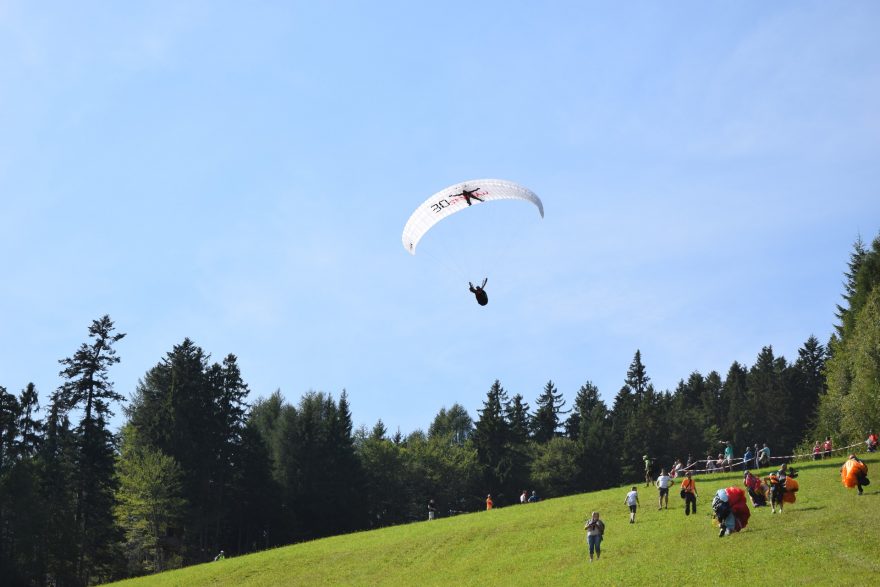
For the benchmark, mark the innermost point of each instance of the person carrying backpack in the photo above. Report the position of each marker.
(689, 493)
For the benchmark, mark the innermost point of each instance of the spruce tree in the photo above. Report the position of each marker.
(491, 438)
(88, 389)
(545, 420)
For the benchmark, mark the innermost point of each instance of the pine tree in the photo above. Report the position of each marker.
(87, 388)
(545, 420)
(738, 425)
(856, 259)
(30, 428)
(594, 437)
(516, 412)
(491, 438)
(809, 384)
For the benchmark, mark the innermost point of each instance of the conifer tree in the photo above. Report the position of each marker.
(737, 426)
(545, 420)
(88, 389)
(491, 438)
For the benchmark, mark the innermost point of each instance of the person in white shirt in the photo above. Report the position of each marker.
(664, 482)
(632, 500)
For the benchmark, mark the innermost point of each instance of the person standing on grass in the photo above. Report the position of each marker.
(432, 509)
(728, 455)
(764, 456)
(595, 530)
(632, 500)
(747, 458)
(648, 462)
(826, 448)
(489, 502)
(664, 482)
(689, 493)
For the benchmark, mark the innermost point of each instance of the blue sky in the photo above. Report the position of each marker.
(240, 173)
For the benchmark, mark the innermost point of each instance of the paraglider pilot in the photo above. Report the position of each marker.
(479, 292)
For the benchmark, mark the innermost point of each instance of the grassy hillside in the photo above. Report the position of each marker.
(830, 535)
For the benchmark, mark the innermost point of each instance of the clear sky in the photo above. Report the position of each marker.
(239, 173)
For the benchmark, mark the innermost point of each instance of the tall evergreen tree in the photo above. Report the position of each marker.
(545, 420)
(87, 388)
(58, 488)
(809, 385)
(455, 423)
(491, 438)
(738, 424)
(856, 260)
(193, 411)
(590, 427)
(636, 419)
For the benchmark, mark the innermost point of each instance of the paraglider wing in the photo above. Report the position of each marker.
(459, 197)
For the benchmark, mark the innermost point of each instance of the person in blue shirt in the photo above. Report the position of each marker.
(747, 459)
(533, 497)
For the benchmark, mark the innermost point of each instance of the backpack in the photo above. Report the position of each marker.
(721, 509)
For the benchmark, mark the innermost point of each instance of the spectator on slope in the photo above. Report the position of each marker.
(676, 468)
(648, 463)
(689, 494)
(533, 498)
(524, 496)
(432, 509)
(664, 482)
(220, 556)
(747, 458)
(763, 456)
(871, 442)
(489, 503)
(817, 451)
(826, 448)
(632, 500)
(728, 455)
(595, 530)
(710, 463)
(854, 473)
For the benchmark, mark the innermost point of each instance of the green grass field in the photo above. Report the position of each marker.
(829, 536)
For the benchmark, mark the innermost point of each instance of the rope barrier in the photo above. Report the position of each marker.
(729, 465)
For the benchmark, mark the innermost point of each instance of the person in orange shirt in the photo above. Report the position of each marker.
(689, 494)
(489, 502)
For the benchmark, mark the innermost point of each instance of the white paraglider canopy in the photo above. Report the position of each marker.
(459, 197)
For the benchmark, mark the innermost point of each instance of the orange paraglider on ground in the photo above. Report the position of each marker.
(854, 473)
(791, 487)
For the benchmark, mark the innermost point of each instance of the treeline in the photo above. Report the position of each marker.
(195, 470)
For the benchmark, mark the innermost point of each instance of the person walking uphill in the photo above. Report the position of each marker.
(689, 494)
(632, 500)
(664, 482)
(595, 530)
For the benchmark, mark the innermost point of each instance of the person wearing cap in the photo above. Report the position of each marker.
(489, 502)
